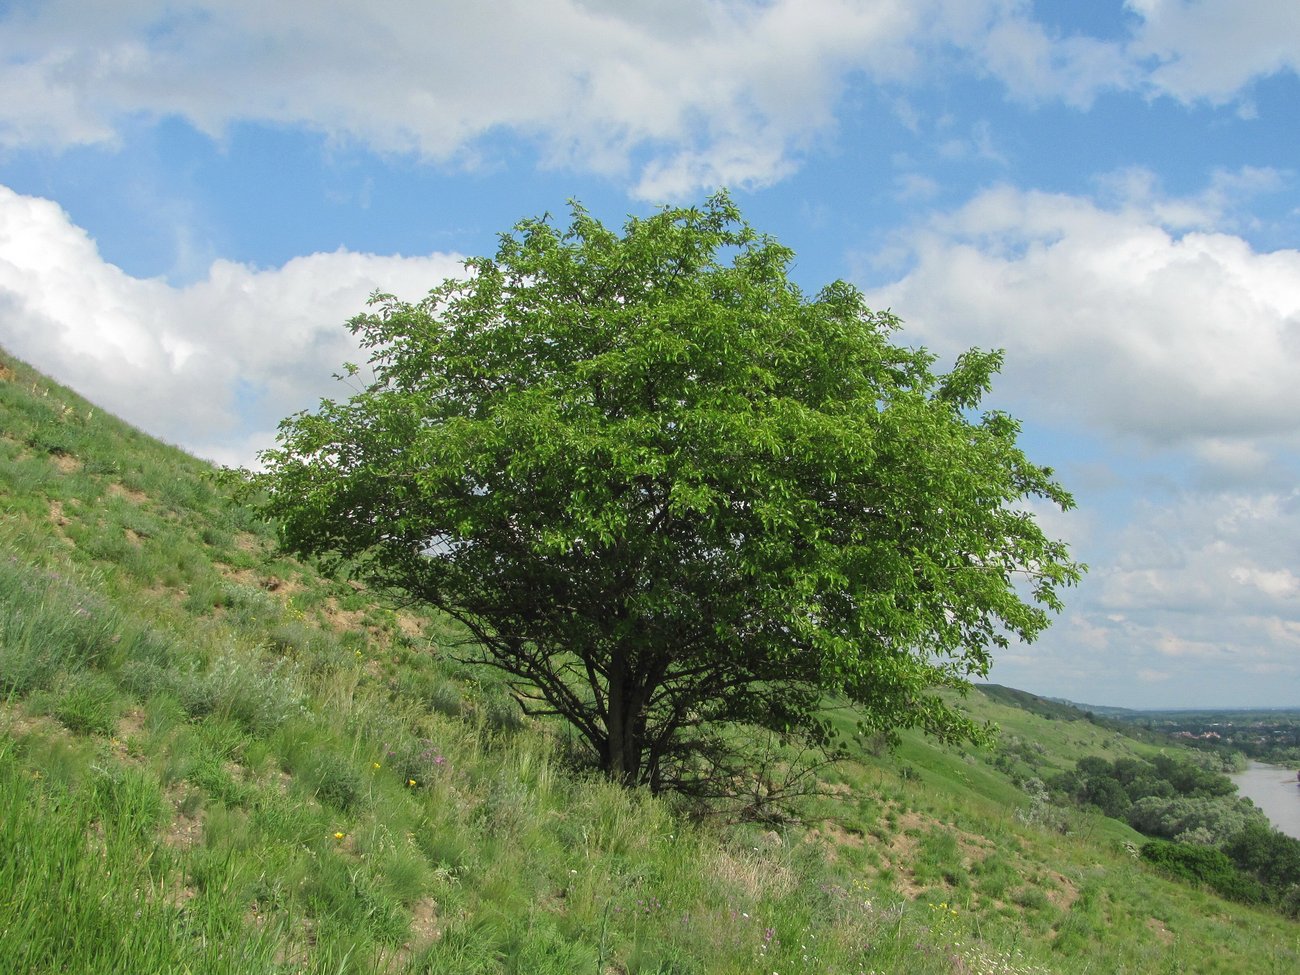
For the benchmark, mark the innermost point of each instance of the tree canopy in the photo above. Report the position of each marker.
(672, 495)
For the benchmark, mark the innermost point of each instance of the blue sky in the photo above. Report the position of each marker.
(195, 196)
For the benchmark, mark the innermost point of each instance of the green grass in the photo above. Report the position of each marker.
(214, 759)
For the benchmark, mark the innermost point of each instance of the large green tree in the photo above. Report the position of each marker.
(673, 496)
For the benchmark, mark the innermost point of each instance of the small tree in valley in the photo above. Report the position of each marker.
(672, 496)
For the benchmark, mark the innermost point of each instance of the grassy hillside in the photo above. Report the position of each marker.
(212, 759)
(1052, 710)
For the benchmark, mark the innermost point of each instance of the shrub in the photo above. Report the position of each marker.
(1219, 817)
(1204, 865)
(1273, 858)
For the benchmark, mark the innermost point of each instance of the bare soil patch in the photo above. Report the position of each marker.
(409, 626)
(425, 929)
(1060, 890)
(835, 835)
(283, 588)
(248, 543)
(1162, 933)
(342, 619)
(245, 577)
(130, 727)
(20, 724)
(65, 463)
(185, 832)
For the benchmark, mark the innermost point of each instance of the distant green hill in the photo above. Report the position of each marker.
(1050, 708)
(1057, 709)
(1104, 710)
(214, 759)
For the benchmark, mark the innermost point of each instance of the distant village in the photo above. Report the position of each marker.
(1264, 735)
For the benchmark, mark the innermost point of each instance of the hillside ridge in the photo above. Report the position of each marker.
(214, 758)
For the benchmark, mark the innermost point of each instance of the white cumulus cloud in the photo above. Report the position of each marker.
(1115, 316)
(1201, 588)
(1213, 49)
(213, 365)
(720, 91)
(1175, 346)
(673, 96)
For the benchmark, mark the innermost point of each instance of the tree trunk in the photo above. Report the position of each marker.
(623, 761)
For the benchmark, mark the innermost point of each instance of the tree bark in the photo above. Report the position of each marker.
(622, 758)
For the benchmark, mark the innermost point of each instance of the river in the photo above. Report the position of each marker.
(1275, 791)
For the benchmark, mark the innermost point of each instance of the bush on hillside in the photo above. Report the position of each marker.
(1207, 866)
(1220, 817)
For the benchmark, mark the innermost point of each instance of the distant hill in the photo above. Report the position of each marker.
(1053, 709)
(1058, 709)
(1102, 710)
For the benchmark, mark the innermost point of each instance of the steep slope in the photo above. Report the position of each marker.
(1054, 710)
(214, 759)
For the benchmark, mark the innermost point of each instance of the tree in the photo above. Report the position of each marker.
(1266, 852)
(671, 496)
(1220, 816)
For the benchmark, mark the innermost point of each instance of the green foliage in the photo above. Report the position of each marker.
(49, 624)
(1192, 776)
(1033, 703)
(1268, 853)
(1210, 820)
(1218, 839)
(334, 780)
(1204, 865)
(1273, 858)
(87, 703)
(79, 896)
(195, 836)
(668, 492)
(1164, 796)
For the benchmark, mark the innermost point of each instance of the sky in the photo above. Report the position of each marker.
(195, 197)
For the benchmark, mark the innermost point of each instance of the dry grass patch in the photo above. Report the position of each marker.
(244, 577)
(17, 723)
(59, 519)
(128, 733)
(162, 594)
(1059, 889)
(284, 589)
(834, 836)
(750, 875)
(410, 626)
(122, 491)
(901, 846)
(424, 924)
